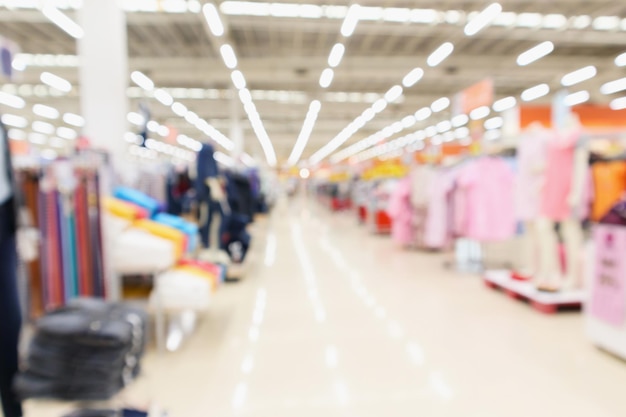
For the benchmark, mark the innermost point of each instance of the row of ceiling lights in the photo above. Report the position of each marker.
(229, 57)
(314, 11)
(530, 94)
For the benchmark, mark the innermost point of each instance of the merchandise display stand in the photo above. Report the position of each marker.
(545, 302)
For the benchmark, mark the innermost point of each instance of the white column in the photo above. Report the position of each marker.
(103, 53)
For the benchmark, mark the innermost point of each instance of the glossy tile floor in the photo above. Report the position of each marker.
(332, 321)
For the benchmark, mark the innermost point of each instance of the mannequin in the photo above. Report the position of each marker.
(562, 199)
(209, 192)
(531, 158)
(10, 315)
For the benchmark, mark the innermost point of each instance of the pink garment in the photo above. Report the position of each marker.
(531, 161)
(437, 230)
(558, 176)
(401, 213)
(488, 184)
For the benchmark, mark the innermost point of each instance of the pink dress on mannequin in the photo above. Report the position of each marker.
(559, 175)
(401, 213)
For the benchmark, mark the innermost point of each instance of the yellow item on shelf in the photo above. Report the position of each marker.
(194, 270)
(386, 171)
(122, 209)
(166, 232)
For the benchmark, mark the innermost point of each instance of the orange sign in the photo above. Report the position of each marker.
(591, 116)
(475, 96)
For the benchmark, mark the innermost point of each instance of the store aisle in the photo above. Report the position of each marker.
(333, 321)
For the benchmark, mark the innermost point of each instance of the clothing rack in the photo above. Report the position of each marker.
(67, 213)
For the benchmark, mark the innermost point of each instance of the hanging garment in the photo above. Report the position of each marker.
(609, 184)
(401, 213)
(489, 212)
(558, 175)
(531, 162)
(438, 227)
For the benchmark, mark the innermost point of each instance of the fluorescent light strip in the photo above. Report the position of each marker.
(228, 55)
(45, 111)
(352, 19)
(535, 53)
(239, 81)
(618, 103)
(74, 119)
(577, 98)
(440, 104)
(483, 19)
(14, 121)
(213, 19)
(305, 133)
(480, 113)
(63, 22)
(336, 54)
(326, 78)
(412, 77)
(55, 81)
(579, 76)
(393, 94)
(620, 60)
(142, 80)
(613, 87)
(11, 100)
(440, 54)
(535, 92)
(163, 97)
(504, 104)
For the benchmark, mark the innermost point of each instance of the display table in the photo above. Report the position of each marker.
(545, 302)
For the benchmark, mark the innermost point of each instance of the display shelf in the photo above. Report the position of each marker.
(545, 302)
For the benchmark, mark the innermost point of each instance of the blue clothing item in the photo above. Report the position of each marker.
(138, 198)
(10, 313)
(206, 168)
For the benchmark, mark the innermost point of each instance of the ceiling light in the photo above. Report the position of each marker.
(379, 105)
(504, 104)
(576, 98)
(42, 127)
(425, 16)
(444, 126)
(336, 54)
(494, 123)
(164, 97)
(368, 114)
(492, 134)
(55, 81)
(606, 22)
(163, 131)
(535, 92)
(62, 21)
(430, 131)
(135, 118)
(213, 19)
(37, 138)
(245, 96)
(66, 133)
(440, 54)
(483, 19)
(505, 19)
(613, 86)
(408, 121)
(326, 78)
(554, 21)
(16, 134)
(620, 61)
(74, 119)
(228, 55)
(349, 23)
(535, 53)
(12, 101)
(423, 114)
(45, 111)
(529, 20)
(461, 132)
(153, 126)
(305, 133)
(579, 76)
(393, 94)
(440, 104)
(14, 121)
(460, 120)
(412, 77)
(581, 22)
(618, 103)
(480, 113)
(179, 109)
(238, 79)
(142, 80)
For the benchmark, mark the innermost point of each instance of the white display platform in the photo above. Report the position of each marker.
(604, 335)
(545, 302)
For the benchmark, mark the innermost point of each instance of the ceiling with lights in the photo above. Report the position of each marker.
(320, 81)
